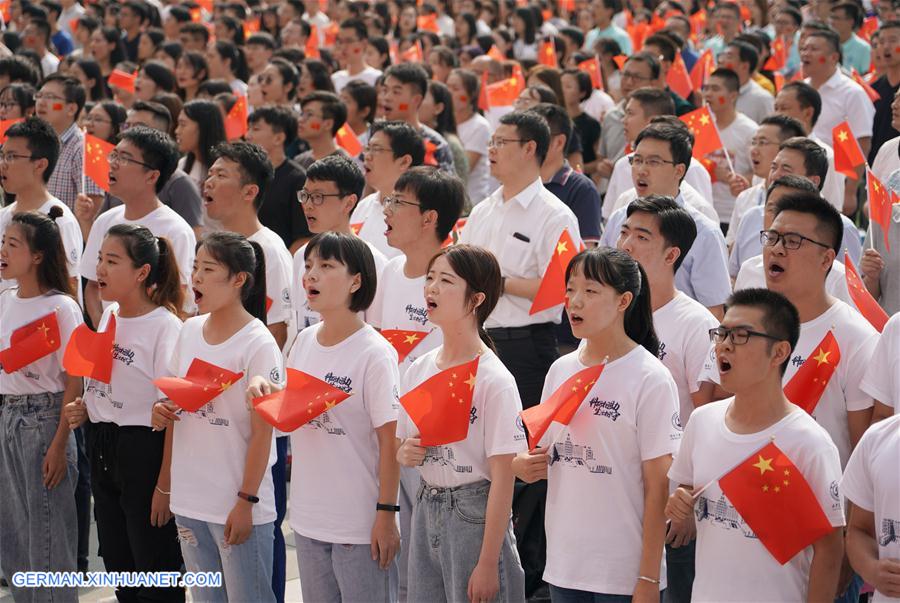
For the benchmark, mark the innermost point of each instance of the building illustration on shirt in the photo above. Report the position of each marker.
(208, 412)
(443, 455)
(890, 531)
(323, 421)
(721, 513)
(576, 455)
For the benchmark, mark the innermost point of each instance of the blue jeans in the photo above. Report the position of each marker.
(447, 532)
(331, 573)
(852, 593)
(279, 479)
(680, 573)
(409, 486)
(246, 568)
(38, 529)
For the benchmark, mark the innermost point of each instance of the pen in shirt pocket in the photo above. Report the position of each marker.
(521, 237)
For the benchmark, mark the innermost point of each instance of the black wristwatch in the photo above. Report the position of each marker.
(248, 497)
(384, 507)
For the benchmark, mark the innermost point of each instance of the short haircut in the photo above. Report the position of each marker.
(648, 59)
(793, 13)
(42, 141)
(780, 317)
(332, 107)
(161, 114)
(675, 224)
(158, 150)
(829, 225)
(729, 79)
(366, 97)
(261, 39)
(73, 91)
(435, 190)
(19, 69)
(851, 10)
(352, 252)
(815, 160)
(530, 126)
(280, 119)
(410, 73)
(196, 30)
(654, 101)
(404, 140)
(557, 118)
(667, 48)
(585, 85)
(788, 127)
(679, 140)
(798, 183)
(729, 6)
(574, 34)
(807, 97)
(831, 38)
(44, 28)
(358, 27)
(746, 53)
(345, 174)
(255, 166)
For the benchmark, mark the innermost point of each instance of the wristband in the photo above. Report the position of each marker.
(384, 507)
(248, 497)
(648, 579)
(161, 491)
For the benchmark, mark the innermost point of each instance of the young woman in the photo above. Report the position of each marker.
(407, 21)
(191, 70)
(38, 465)
(436, 112)
(226, 62)
(200, 128)
(360, 99)
(607, 484)
(278, 83)
(105, 120)
(378, 53)
(149, 44)
(474, 131)
(314, 75)
(525, 45)
(88, 72)
(222, 493)
(462, 546)
(345, 546)
(107, 49)
(130, 477)
(154, 77)
(17, 101)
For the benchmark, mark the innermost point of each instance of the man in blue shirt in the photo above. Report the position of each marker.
(604, 11)
(846, 18)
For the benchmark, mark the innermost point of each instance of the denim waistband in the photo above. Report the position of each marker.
(478, 488)
(42, 398)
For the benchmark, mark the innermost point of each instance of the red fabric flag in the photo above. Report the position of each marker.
(778, 58)
(268, 303)
(89, 353)
(679, 79)
(881, 204)
(203, 382)
(561, 406)
(430, 149)
(73, 25)
(30, 343)
(413, 54)
(96, 160)
(428, 23)
(236, 120)
(356, 227)
(552, 290)
(638, 32)
(122, 80)
(847, 154)
(779, 82)
(311, 49)
(806, 387)
(504, 93)
(347, 140)
(403, 341)
(705, 65)
(861, 297)
(698, 22)
(206, 5)
(4, 126)
(869, 26)
(775, 500)
(304, 399)
(870, 91)
(495, 54)
(196, 14)
(592, 68)
(547, 53)
(441, 405)
(702, 126)
(483, 103)
(619, 60)
(331, 33)
(251, 26)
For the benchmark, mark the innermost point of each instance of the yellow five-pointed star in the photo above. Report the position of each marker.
(704, 119)
(329, 404)
(875, 186)
(43, 329)
(561, 247)
(224, 385)
(764, 465)
(822, 357)
(470, 381)
(842, 135)
(412, 338)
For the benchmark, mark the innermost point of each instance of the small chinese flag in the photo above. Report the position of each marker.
(698, 22)
(268, 303)
(870, 91)
(196, 14)
(122, 80)
(777, 503)
(561, 406)
(638, 32)
(679, 79)
(311, 50)
(304, 399)
(705, 65)
(592, 68)
(206, 5)
(89, 353)
(203, 382)
(547, 53)
(413, 54)
(806, 387)
(356, 227)
(5, 125)
(73, 24)
(440, 406)
(403, 341)
(483, 103)
(428, 23)
(30, 343)
(881, 204)
(779, 81)
(552, 290)
(236, 120)
(503, 93)
(96, 160)
(495, 54)
(331, 33)
(847, 154)
(869, 26)
(861, 297)
(251, 26)
(620, 60)
(778, 58)
(706, 135)
(347, 140)
(430, 150)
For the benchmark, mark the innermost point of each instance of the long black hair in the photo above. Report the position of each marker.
(238, 255)
(211, 128)
(445, 121)
(615, 268)
(42, 236)
(163, 283)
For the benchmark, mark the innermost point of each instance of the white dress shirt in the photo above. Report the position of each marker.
(843, 100)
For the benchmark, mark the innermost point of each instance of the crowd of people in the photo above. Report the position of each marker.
(518, 200)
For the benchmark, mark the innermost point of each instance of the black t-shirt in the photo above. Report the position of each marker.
(280, 210)
(131, 47)
(588, 130)
(882, 130)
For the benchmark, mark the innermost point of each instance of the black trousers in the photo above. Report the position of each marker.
(528, 353)
(124, 469)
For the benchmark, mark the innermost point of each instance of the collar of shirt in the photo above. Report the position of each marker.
(834, 81)
(562, 176)
(69, 133)
(748, 87)
(527, 194)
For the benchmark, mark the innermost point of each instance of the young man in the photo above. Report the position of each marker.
(884, 127)
(393, 148)
(26, 161)
(882, 380)
(845, 19)
(660, 160)
(753, 100)
(36, 37)
(321, 115)
(194, 37)
(603, 13)
(727, 17)
(521, 223)
(273, 129)
(350, 48)
(259, 49)
(133, 17)
(59, 102)
(138, 168)
(720, 93)
(753, 347)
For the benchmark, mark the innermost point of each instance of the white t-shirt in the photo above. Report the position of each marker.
(871, 481)
(278, 274)
(494, 424)
(752, 275)
(368, 212)
(882, 378)
(735, 138)
(595, 494)
(400, 304)
(597, 104)
(45, 374)
(732, 565)
(341, 78)
(334, 475)
(474, 134)
(141, 351)
(682, 326)
(209, 449)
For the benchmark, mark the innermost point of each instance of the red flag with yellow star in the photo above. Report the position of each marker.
(96, 160)
(861, 297)
(403, 341)
(89, 353)
(705, 65)
(547, 53)
(311, 49)
(552, 290)
(870, 91)
(122, 80)
(806, 387)
(679, 79)
(775, 500)
(881, 204)
(203, 382)
(428, 23)
(356, 227)
(847, 154)
(236, 120)
(5, 125)
(413, 54)
(304, 399)
(30, 343)
(347, 140)
(561, 406)
(706, 135)
(495, 54)
(592, 68)
(440, 406)
(778, 58)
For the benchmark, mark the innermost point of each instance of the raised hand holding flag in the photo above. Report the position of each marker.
(304, 399)
(203, 382)
(90, 353)
(440, 406)
(552, 290)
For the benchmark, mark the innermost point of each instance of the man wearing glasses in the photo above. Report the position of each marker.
(349, 48)
(754, 345)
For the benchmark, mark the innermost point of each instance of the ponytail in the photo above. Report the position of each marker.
(639, 317)
(42, 236)
(255, 297)
(163, 283)
(238, 255)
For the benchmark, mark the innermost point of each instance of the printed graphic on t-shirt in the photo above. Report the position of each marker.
(605, 408)
(662, 351)
(342, 383)
(890, 531)
(443, 455)
(208, 412)
(721, 514)
(798, 360)
(417, 314)
(102, 391)
(123, 355)
(578, 456)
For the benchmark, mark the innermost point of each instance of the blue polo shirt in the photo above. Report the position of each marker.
(578, 192)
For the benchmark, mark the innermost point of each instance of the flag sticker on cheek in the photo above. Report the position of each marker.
(822, 60)
(463, 98)
(721, 100)
(315, 126)
(57, 106)
(403, 107)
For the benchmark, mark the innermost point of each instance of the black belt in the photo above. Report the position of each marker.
(508, 333)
